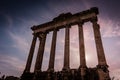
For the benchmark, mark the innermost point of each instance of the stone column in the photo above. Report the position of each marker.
(39, 58)
(30, 57)
(98, 41)
(66, 49)
(82, 51)
(52, 52)
(102, 66)
(81, 45)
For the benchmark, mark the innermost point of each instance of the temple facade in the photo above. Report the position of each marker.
(66, 21)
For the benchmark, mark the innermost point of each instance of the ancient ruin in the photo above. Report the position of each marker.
(99, 72)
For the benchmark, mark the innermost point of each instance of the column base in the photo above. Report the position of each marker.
(50, 70)
(82, 66)
(71, 74)
(36, 74)
(103, 72)
(103, 75)
(66, 74)
(83, 72)
(50, 75)
(42, 75)
(66, 69)
(27, 76)
(103, 68)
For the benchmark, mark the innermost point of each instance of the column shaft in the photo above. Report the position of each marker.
(39, 58)
(52, 52)
(98, 41)
(30, 57)
(81, 46)
(66, 49)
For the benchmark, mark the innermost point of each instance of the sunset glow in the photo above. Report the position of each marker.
(18, 16)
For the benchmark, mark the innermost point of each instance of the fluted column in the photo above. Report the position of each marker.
(82, 51)
(98, 41)
(39, 58)
(30, 57)
(66, 49)
(52, 52)
(81, 45)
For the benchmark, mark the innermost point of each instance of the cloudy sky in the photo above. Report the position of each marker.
(18, 16)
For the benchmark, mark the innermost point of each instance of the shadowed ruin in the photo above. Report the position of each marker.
(99, 72)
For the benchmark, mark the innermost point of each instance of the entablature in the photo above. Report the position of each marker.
(66, 19)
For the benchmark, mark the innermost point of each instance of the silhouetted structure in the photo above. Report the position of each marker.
(100, 72)
(9, 78)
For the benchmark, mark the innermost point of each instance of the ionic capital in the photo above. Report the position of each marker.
(94, 19)
(68, 26)
(80, 23)
(35, 34)
(55, 29)
(42, 35)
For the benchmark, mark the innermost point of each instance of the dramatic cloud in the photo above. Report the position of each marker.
(19, 42)
(9, 63)
(110, 28)
(16, 36)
